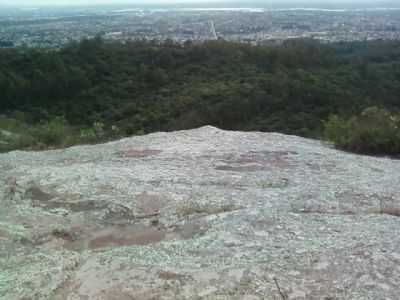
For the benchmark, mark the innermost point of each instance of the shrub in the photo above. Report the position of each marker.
(374, 131)
(14, 134)
(93, 134)
(17, 134)
(10, 125)
(52, 132)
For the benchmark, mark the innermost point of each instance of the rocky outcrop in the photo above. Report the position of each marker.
(200, 214)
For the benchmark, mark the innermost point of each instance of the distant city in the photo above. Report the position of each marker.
(48, 27)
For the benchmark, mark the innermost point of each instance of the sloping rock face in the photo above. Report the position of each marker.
(200, 214)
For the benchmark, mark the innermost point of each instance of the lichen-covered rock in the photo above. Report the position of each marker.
(199, 214)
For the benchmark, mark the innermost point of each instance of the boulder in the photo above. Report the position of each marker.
(199, 214)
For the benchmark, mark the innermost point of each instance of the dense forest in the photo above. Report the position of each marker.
(100, 90)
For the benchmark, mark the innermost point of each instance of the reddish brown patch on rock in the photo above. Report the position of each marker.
(135, 153)
(149, 204)
(117, 237)
(78, 206)
(70, 161)
(117, 295)
(37, 194)
(3, 235)
(391, 211)
(368, 203)
(256, 161)
(105, 188)
(189, 230)
(166, 275)
(325, 166)
(250, 168)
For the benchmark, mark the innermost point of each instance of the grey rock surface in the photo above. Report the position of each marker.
(199, 214)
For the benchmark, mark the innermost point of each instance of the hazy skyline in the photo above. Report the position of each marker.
(133, 2)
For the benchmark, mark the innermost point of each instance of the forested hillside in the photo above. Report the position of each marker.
(104, 90)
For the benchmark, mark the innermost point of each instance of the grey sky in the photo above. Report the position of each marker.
(94, 2)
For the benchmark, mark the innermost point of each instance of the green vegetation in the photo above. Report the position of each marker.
(16, 134)
(374, 131)
(94, 91)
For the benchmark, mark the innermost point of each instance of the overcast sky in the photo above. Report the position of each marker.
(95, 2)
